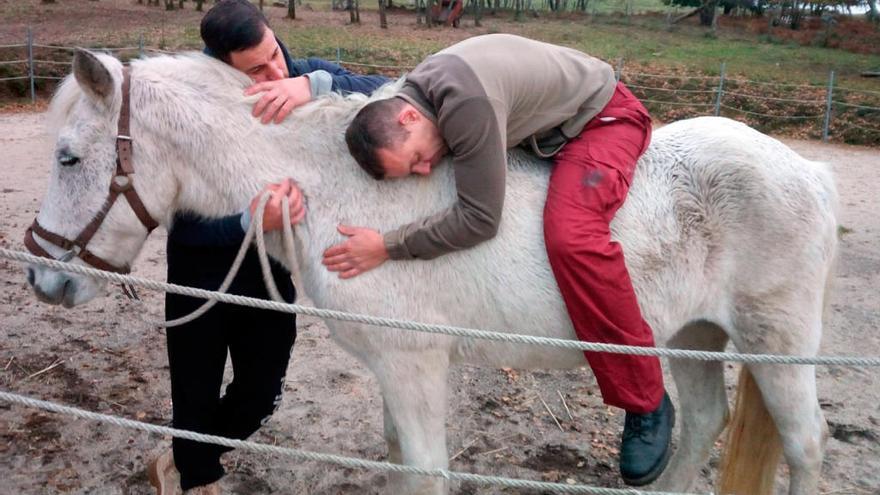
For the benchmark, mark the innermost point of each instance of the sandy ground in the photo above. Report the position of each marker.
(104, 358)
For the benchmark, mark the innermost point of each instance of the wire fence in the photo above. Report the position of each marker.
(847, 114)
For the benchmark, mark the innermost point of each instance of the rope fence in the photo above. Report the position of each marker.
(350, 462)
(736, 100)
(511, 338)
(304, 455)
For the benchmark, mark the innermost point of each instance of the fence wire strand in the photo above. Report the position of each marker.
(770, 98)
(758, 114)
(856, 126)
(674, 90)
(852, 105)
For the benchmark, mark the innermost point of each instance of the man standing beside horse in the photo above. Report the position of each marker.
(201, 251)
(473, 101)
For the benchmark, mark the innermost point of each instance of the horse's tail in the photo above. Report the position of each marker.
(753, 449)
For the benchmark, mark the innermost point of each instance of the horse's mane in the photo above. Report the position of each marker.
(195, 73)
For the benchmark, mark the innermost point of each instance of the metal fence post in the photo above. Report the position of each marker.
(338, 58)
(30, 56)
(619, 70)
(720, 89)
(141, 45)
(828, 105)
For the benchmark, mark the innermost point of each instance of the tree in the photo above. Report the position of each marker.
(383, 19)
(705, 9)
(873, 15)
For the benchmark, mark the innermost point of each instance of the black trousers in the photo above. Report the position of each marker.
(258, 341)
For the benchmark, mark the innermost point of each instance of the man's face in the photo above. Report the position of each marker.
(422, 149)
(263, 62)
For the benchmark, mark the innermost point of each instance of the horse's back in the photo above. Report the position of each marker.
(744, 216)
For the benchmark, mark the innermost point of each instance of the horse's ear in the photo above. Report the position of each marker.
(92, 75)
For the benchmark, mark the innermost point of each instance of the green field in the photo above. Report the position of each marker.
(639, 44)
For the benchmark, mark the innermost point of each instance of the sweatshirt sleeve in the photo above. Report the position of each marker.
(479, 158)
(344, 81)
(193, 230)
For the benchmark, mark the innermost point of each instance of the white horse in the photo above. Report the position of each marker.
(729, 236)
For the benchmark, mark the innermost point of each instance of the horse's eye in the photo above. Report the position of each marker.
(67, 159)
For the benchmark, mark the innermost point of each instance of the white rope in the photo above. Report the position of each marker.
(254, 229)
(514, 338)
(304, 455)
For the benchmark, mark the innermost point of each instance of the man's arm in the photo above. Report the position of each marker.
(192, 230)
(344, 81)
(479, 158)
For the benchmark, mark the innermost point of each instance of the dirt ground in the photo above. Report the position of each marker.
(104, 358)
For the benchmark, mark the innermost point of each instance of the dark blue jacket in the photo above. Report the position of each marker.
(192, 230)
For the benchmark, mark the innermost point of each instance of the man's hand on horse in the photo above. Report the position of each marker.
(279, 97)
(363, 251)
(273, 216)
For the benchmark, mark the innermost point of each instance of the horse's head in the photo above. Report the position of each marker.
(95, 210)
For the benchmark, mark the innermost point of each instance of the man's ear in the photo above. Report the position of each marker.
(408, 115)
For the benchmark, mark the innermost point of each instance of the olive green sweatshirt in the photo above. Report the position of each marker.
(486, 94)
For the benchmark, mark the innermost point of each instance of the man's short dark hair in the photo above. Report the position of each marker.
(375, 127)
(231, 26)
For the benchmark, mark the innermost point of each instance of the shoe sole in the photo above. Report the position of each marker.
(658, 469)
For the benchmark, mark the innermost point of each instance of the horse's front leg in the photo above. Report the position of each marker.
(414, 391)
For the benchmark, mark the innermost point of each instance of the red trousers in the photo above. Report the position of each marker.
(589, 183)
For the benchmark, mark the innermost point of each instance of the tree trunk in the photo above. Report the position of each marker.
(169, 4)
(199, 4)
(707, 12)
(180, 4)
(873, 15)
(478, 13)
(383, 20)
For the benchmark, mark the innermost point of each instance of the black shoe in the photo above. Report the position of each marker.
(644, 446)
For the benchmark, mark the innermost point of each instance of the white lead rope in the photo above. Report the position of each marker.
(255, 229)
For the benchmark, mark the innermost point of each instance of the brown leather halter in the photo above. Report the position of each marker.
(122, 183)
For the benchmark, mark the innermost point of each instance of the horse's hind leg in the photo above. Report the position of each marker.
(414, 392)
(702, 404)
(789, 391)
